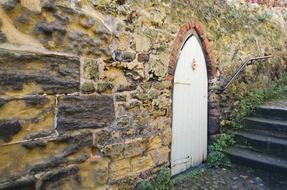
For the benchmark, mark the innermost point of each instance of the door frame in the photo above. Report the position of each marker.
(190, 34)
(186, 31)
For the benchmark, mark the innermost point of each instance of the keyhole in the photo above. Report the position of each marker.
(193, 65)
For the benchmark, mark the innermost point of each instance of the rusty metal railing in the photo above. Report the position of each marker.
(250, 61)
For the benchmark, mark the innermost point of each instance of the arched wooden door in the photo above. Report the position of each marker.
(189, 125)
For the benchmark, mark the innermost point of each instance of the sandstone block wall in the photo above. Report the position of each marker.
(271, 3)
(79, 109)
(84, 100)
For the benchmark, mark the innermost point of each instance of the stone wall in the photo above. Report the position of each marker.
(269, 3)
(84, 100)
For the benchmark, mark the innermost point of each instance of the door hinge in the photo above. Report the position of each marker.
(182, 161)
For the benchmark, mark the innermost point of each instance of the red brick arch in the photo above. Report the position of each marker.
(180, 39)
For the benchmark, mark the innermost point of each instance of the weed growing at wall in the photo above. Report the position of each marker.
(245, 106)
(160, 182)
(184, 177)
(216, 156)
(126, 184)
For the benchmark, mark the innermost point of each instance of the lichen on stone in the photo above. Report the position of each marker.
(91, 69)
(104, 87)
(88, 87)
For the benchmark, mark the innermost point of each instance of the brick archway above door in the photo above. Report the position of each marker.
(182, 35)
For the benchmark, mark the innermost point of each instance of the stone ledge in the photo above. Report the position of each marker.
(32, 73)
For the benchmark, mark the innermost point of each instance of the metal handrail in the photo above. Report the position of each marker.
(250, 61)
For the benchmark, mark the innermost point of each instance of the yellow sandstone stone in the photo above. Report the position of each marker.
(34, 114)
(94, 174)
(155, 142)
(141, 163)
(134, 147)
(13, 35)
(142, 43)
(16, 159)
(166, 136)
(119, 169)
(33, 5)
(160, 156)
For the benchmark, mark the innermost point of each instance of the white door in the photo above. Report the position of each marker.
(189, 125)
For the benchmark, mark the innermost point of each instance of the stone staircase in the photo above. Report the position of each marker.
(263, 141)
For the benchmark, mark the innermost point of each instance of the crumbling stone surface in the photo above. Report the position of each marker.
(123, 56)
(85, 112)
(8, 129)
(60, 178)
(2, 37)
(23, 182)
(9, 4)
(35, 73)
(120, 169)
(88, 88)
(272, 3)
(21, 116)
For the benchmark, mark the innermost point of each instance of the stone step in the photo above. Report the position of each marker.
(267, 133)
(272, 112)
(263, 143)
(265, 124)
(255, 159)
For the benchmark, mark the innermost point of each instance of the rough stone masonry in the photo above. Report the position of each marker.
(84, 98)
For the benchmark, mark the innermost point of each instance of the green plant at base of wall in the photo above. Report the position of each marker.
(126, 184)
(188, 175)
(161, 181)
(216, 156)
(246, 105)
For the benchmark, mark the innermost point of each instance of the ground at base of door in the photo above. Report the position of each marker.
(229, 178)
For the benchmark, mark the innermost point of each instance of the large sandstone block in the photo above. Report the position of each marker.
(154, 143)
(79, 112)
(160, 156)
(16, 160)
(114, 150)
(23, 73)
(134, 147)
(166, 136)
(94, 174)
(21, 117)
(141, 163)
(119, 169)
